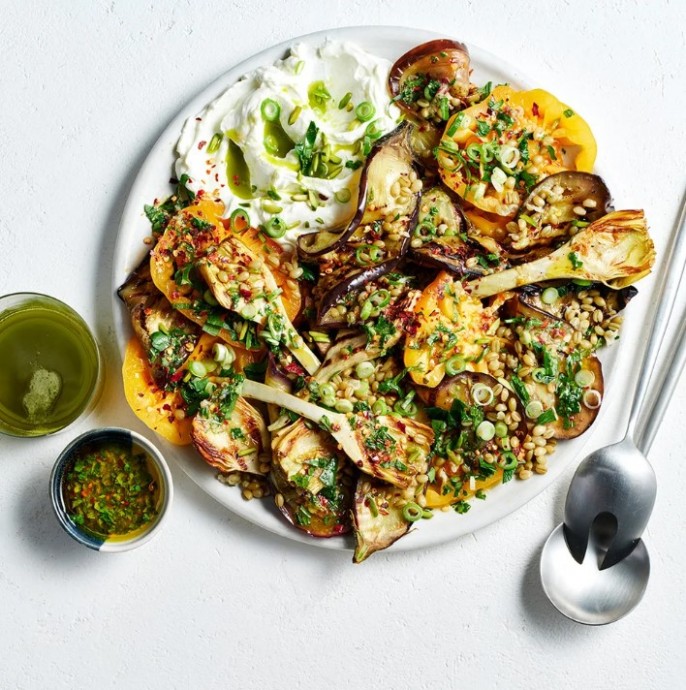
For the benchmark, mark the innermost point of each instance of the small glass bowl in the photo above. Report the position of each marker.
(99, 439)
(50, 365)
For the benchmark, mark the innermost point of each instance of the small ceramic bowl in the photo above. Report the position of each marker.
(112, 440)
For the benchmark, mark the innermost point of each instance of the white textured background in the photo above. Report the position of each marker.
(85, 89)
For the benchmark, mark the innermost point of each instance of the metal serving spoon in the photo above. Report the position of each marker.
(594, 567)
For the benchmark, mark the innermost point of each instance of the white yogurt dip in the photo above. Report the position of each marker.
(253, 147)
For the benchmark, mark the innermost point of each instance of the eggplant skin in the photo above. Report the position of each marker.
(382, 225)
(395, 143)
(442, 60)
(438, 207)
(614, 301)
(556, 336)
(563, 196)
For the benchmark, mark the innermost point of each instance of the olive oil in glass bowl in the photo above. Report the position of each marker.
(49, 365)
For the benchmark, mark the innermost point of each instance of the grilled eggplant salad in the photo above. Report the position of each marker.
(438, 342)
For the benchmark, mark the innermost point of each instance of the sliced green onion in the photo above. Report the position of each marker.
(345, 100)
(319, 337)
(365, 111)
(270, 110)
(249, 311)
(455, 365)
(367, 254)
(197, 368)
(215, 141)
(373, 130)
(405, 407)
(584, 378)
(482, 394)
(501, 429)
(326, 390)
(485, 431)
(380, 298)
(299, 67)
(342, 196)
(539, 375)
(380, 407)
(412, 512)
(534, 409)
(508, 461)
(275, 227)
(270, 206)
(550, 295)
(364, 370)
(373, 508)
(223, 354)
(366, 310)
(295, 114)
(241, 214)
(427, 514)
(362, 390)
(444, 109)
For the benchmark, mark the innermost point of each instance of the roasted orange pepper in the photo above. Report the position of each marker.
(493, 153)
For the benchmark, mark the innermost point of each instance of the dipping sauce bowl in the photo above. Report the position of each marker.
(111, 489)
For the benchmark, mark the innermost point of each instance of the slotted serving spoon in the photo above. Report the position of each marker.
(594, 566)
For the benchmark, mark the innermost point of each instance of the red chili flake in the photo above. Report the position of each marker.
(535, 110)
(166, 407)
(201, 145)
(236, 180)
(294, 368)
(245, 292)
(177, 376)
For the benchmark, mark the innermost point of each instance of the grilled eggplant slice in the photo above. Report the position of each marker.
(568, 400)
(556, 208)
(394, 323)
(560, 301)
(431, 81)
(388, 166)
(440, 237)
(229, 433)
(325, 514)
(377, 240)
(166, 336)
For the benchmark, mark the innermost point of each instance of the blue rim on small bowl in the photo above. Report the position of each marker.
(138, 443)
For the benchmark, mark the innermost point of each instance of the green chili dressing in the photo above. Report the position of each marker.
(111, 491)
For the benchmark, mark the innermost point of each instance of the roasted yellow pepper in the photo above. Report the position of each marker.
(493, 153)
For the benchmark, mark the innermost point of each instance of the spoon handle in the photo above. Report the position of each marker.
(663, 389)
(664, 295)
